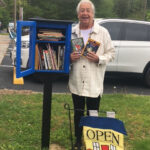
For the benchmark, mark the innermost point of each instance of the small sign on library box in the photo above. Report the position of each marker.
(101, 133)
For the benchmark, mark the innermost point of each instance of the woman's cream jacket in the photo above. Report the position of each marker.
(86, 78)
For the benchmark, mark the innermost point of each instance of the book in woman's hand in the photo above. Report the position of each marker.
(91, 46)
(77, 44)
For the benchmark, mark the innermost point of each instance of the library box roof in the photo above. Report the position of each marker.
(51, 20)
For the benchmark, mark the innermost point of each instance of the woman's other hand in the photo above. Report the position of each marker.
(74, 56)
(92, 57)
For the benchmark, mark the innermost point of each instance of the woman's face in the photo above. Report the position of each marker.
(85, 15)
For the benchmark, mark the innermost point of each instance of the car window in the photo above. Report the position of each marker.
(113, 28)
(136, 32)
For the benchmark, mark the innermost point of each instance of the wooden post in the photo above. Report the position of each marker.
(46, 116)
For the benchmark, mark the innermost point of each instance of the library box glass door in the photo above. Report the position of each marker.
(49, 46)
(25, 45)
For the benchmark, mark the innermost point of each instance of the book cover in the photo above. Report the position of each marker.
(77, 44)
(91, 45)
(36, 57)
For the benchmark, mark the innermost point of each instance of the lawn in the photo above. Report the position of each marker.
(21, 115)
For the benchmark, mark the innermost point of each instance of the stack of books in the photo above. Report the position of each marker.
(50, 35)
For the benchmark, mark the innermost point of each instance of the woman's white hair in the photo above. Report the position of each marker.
(85, 1)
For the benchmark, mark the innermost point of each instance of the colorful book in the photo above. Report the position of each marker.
(60, 56)
(50, 51)
(91, 46)
(36, 57)
(41, 58)
(48, 59)
(77, 44)
(45, 59)
(55, 59)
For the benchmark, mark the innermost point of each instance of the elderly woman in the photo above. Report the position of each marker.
(87, 73)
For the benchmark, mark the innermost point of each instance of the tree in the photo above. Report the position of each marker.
(136, 9)
(66, 9)
(2, 3)
(121, 7)
(4, 20)
(104, 8)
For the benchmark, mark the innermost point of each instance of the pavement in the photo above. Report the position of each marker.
(112, 83)
(4, 44)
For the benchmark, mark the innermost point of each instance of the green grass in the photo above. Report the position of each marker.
(21, 115)
(4, 34)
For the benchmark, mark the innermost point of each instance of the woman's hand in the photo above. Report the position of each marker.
(74, 56)
(92, 57)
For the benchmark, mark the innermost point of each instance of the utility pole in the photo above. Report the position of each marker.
(15, 15)
(145, 6)
(2, 3)
(20, 13)
(20, 10)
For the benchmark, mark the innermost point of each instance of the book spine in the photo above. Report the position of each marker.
(55, 59)
(51, 57)
(36, 57)
(48, 59)
(58, 57)
(62, 51)
(40, 60)
(45, 60)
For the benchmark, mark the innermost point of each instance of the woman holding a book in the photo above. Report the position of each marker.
(88, 64)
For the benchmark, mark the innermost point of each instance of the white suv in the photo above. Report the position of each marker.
(131, 39)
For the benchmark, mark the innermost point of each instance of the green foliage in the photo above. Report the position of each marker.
(32, 11)
(121, 8)
(66, 9)
(148, 16)
(4, 17)
(142, 144)
(104, 8)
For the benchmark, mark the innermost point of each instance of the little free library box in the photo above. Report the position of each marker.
(49, 46)
(49, 57)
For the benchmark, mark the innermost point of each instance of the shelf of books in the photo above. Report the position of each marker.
(50, 50)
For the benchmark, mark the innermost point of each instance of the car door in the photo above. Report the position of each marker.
(114, 29)
(134, 48)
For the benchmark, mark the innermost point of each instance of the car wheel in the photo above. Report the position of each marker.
(147, 77)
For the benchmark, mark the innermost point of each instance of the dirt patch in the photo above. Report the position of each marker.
(56, 147)
(7, 91)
